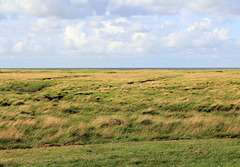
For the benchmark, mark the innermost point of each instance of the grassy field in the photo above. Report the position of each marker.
(204, 153)
(70, 107)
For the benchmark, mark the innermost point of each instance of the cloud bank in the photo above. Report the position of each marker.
(81, 8)
(139, 30)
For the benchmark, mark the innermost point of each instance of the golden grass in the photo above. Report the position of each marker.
(11, 133)
(51, 121)
(109, 121)
(23, 123)
(129, 105)
(26, 76)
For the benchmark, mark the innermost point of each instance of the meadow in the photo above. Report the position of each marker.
(197, 153)
(42, 108)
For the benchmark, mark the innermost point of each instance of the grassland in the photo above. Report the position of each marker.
(74, 107)
(199, 153)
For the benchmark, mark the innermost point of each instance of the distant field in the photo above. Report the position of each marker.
(196, 153)
(68, 107)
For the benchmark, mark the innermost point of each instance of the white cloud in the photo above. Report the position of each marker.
(27, 47)
(18, 47)
(197, 36)
(79, 1)
(108, 28)
(207, 5)
(74, 36)
(82, 8)
(49, 25)
(222, 34)
(127, 37)
(237, 42)
(57, 8)
(115, 46)
(173, 7)
(138, 36)
(118, 36)
(206, 23)
(126, 28)
(229, 7)
(29, 44)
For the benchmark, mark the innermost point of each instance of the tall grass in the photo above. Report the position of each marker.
(71, 107)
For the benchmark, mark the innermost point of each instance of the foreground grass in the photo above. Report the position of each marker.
(65, 107)
(169, 153)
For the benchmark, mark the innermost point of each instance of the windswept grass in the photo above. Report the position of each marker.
(61, 107)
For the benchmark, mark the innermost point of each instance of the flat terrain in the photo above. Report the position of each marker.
(210, 153)
(102, 109)
(65, 107)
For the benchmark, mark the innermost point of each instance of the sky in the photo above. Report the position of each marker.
(119, 33)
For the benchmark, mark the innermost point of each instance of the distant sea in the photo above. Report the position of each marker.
(215, 68)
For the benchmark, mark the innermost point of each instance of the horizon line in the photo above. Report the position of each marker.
(128, 68)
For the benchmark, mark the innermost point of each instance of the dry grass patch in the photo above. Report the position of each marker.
(27, 76)
(81, 128)
(212, 124)
(11, 133)
(23, 123)
(51, 121)
(68, 108)
(109, 121)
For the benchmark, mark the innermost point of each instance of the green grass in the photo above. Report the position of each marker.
(169, 153)
(25, 86)
(63, 107)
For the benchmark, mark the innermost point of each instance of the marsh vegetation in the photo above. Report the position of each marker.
(72, 107)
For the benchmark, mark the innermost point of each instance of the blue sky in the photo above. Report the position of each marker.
(119, 33)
